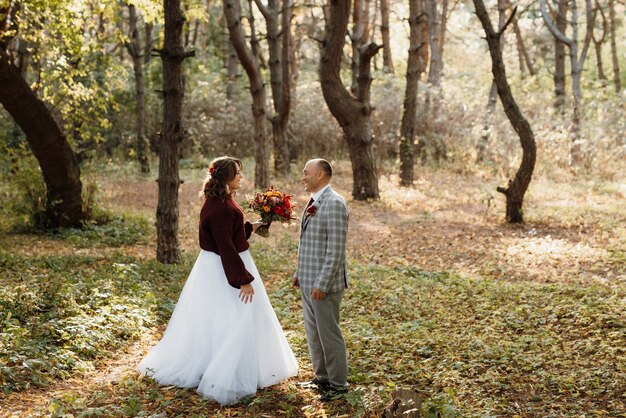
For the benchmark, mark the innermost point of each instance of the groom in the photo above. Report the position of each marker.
(322, 278)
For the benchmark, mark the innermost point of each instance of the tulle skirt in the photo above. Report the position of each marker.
(216, 343)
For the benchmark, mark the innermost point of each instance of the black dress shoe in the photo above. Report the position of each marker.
(332, 394)
(316, 383)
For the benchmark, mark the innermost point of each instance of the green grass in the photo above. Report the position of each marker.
(61, 314)
(471, 347)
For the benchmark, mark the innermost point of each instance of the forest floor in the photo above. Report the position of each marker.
(481, 317)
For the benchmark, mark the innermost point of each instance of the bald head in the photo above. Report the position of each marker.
(316, 174)
(322, 165)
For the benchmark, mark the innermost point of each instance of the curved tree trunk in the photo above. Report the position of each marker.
(517, 188)
(409, 115)
(232, 12)
(353, 114)
(61, 172)
(172, 134)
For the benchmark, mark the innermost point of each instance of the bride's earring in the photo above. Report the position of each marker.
(227, 189)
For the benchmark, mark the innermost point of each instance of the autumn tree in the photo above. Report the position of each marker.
(45, 136)
(172, 133)
(353, 112)
(517, 187)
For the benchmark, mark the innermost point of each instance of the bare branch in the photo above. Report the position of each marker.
(508, 22)
(552, 27)
(591, 17)
(263, 9)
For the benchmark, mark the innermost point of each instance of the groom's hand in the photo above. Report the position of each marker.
(317, 294)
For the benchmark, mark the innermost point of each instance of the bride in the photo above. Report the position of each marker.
(223, 336)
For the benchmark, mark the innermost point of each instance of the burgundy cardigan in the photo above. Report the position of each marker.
(223, 232)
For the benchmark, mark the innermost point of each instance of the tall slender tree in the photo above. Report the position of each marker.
(384, 32)
(492, 98)
(352, 113)
(414, 69)
(135, 50)
(359, 37)
(559, 55)
(577, 62)
(616, 74)
(279, 42)
(517, 187)
(524, 58)
(232, 12)
(598, 42)
(172, 133)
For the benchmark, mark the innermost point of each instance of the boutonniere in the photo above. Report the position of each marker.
(310, 211)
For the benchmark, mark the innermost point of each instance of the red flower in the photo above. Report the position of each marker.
(311, 210)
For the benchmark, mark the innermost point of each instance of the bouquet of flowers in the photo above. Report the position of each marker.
(271, 205)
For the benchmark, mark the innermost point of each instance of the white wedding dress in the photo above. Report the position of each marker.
(215, 342)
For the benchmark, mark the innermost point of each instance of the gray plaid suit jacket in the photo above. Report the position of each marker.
(322, 248)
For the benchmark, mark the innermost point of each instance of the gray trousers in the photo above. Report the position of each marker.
(326, 343)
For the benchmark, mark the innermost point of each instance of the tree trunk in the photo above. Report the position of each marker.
(517, 188)
(278, 45)
(384, 31)
(409, 115)
(230, 61)
(616, 74)
(357, 37)
(577, 63)
(353, 114)
(436, 30)
(521, 48)
(134, 50)
(147, 51)
(492, 99)
(254, 40)
(60, 169)
(559, 56)
(232, 12)
(285, 108)
(232, 70)
(597, 43)
(172, 134)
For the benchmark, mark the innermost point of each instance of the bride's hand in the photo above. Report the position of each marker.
(256, 225)
(246, 292)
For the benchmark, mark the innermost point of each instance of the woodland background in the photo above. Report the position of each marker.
(480, 309)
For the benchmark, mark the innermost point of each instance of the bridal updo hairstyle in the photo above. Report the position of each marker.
(221, 171)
